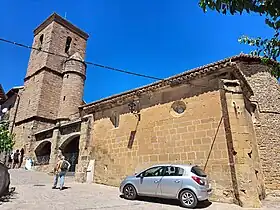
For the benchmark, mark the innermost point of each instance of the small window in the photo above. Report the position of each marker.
(173, 171)
(41, 41)
(68, 44)
(198, 171)
(155, 171)
(178, 108)
(64, 98)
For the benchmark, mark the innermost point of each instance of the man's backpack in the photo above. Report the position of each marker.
(64, 166)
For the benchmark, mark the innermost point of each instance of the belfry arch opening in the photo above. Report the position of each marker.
(43, 153)
(68, 44)
(70, 150)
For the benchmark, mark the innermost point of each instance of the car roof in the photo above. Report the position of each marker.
(175, 165)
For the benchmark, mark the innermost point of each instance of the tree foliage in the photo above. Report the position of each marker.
(6, 139)
(269, 49)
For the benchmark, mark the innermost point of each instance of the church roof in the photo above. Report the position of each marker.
(176, 79)
(13, 90)
(56, 18)
(10, 93)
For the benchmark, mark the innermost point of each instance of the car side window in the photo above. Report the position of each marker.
(173, 171)
(155, 171)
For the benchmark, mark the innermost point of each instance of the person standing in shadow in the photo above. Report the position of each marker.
(21, 157)
(16, 159)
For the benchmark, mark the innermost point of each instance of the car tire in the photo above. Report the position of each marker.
(129, 192)
(188, 199)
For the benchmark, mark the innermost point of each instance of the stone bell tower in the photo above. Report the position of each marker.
(47, 83)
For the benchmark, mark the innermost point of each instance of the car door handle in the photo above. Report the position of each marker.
(156, 181)
(177, 181)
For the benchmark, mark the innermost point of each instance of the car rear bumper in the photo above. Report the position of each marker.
(204, 194)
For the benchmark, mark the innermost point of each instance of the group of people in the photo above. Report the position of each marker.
(15, 159)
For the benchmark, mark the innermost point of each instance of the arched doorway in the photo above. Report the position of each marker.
(70, 150)
(43, 153)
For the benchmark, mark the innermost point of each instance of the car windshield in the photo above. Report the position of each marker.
(198, 171)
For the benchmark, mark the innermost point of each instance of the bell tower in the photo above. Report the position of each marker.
(40, 100)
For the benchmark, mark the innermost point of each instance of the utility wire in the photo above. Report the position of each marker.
(87, 62)
(91, 63)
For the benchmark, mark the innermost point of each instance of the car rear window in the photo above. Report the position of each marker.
(198, 171)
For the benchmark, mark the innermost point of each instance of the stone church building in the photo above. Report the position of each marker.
(224, 116)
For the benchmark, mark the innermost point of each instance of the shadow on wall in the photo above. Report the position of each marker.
(213, 142)
(149, 99)
(133, 134)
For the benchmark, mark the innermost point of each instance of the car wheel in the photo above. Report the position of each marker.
(188, 199)
(129, 192)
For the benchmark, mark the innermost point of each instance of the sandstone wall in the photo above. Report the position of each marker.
(164, 137)
(243, 155)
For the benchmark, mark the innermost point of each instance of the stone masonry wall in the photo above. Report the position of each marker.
(162, 137)
(38, 59)
(24, 134)
(49, 95)
(267, 124)
(30, 97)
(242, 148)
(71, 98)
(54, 41)
(57, 45)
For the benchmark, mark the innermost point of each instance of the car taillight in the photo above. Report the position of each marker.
(198, 180)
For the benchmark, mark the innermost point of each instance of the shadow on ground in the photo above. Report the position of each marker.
(8, 197)
(64, 188)
(200, 205)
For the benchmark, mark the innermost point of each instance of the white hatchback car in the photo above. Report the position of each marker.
(187, 183)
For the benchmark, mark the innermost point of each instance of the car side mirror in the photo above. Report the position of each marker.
(140, 175)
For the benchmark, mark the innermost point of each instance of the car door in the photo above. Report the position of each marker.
(149, 181)
(171, 182)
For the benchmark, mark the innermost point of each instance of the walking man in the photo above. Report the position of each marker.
(62, 166)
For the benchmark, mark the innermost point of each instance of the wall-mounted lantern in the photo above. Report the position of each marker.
(134, 108)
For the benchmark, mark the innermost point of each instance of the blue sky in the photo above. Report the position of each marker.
(155, 37)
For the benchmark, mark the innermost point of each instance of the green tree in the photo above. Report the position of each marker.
(269, 49)
(6, 139)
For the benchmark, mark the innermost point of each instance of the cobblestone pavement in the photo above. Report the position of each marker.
(33, 191)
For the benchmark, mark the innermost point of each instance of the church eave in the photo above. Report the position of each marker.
(178, 79)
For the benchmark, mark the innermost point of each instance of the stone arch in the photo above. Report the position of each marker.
(43, 153)
(69, 148)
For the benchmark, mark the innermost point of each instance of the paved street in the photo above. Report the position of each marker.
(33, 191)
